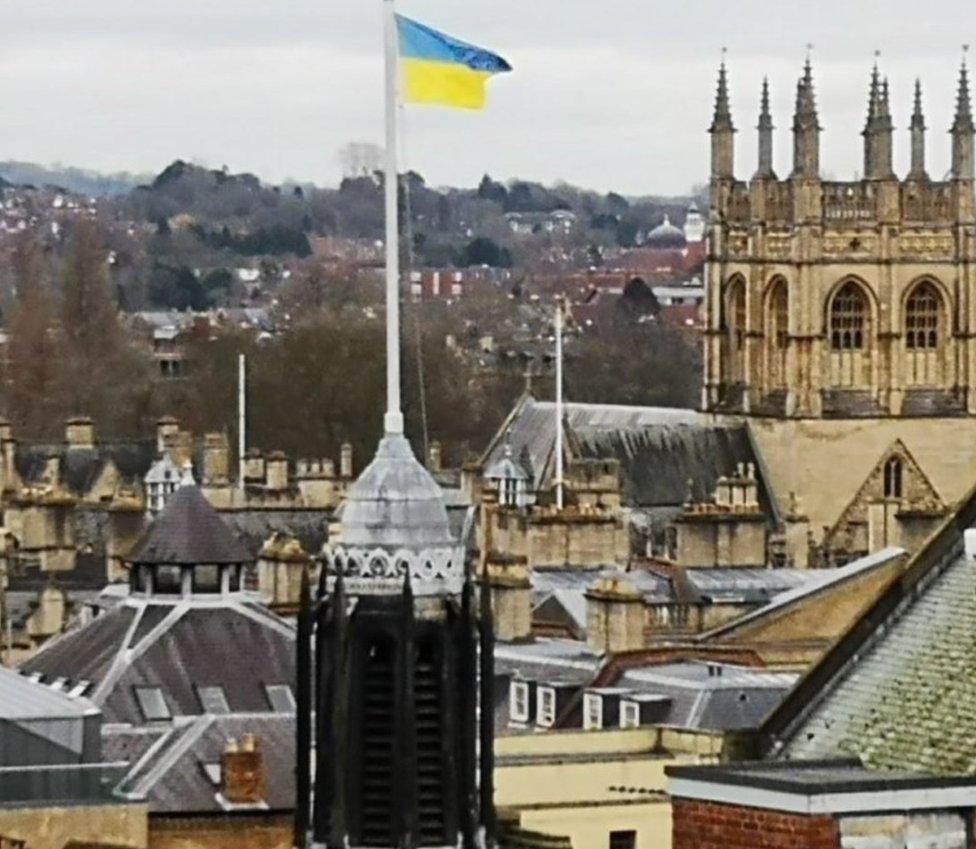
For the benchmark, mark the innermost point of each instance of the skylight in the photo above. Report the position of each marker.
(152, 703)
(280, 698)
(213, 700)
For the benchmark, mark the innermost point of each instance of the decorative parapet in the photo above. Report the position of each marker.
(379, 571)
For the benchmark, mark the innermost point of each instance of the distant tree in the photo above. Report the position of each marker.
(484, 251)
(489, 189)
(33, 379)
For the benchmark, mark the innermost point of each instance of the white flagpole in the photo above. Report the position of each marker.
(559, 404)
(241, 418)
(393, 422)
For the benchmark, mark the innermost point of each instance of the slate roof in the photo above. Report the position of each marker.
(23, 699)
(235, 644)
(659, 449)
(171, 776)
(253, 528)
(899, 689)
(736, 699)
(189, 531)
(80, 467)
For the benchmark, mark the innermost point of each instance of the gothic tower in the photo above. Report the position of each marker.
(402, 671)
(840, 316)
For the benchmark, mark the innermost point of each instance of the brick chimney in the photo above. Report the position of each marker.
(79, 432)
(242, 771)
(216, 459)
(166, 428)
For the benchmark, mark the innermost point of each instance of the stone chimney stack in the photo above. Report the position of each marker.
(167, 429)
(216, 459)
(276, 471)
(79, 432)
(434, 457)
(242, 772)
(511, 598)
(345, 461)
(614, 615)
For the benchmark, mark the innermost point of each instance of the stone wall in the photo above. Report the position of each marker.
(112, 824)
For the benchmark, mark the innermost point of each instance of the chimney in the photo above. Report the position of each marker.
(242, 772)
(345, 461)
(614, 615)
(6, 430)
(434, 457)
(276, 471)
(166, 429)
(216, 459)
(79, 432)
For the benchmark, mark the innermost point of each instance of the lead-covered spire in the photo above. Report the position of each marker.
(722, 130)
(765, 128)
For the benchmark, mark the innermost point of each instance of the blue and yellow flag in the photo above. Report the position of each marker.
(440, 69)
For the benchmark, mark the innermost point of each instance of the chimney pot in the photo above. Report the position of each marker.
(242, 771)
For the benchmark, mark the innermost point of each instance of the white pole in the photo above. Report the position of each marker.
(393, 422)
(241, 418)
(559, 404)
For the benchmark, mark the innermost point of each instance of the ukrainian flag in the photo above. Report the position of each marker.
(440, 69)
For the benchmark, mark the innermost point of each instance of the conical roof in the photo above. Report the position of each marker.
(395, 503)
(189, 531)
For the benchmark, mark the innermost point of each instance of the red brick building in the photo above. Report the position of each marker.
(818, 805)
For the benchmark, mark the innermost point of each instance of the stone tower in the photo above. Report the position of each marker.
(840, 316)
(402, 678)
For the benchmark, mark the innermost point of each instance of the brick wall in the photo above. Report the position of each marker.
(707, 825)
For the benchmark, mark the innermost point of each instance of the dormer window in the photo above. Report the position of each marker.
(629, 714)
(592, 711)
(518, 701)
(545, 715)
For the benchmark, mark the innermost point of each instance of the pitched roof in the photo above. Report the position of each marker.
(659, 449)
(237, 645)
(172, 778)
(899, 688)
(189, 531)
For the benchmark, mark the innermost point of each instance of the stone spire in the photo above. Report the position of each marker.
(722, 130)
(806, 127)
(878, 130)
(962, 129)
(917, 126)
(765, 128)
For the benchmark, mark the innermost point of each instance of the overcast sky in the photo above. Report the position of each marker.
(611, 95)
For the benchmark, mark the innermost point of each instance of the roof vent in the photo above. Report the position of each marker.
(714, 670)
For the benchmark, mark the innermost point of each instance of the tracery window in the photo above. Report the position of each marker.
(848, 318)
(735, 330)
(924, 334)
(922, 317)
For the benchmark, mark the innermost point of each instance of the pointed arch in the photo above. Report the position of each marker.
(851, 342)
(776, 320)
(925, 332)
(734, 326)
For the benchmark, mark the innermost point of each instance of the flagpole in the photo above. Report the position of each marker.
(393, 422)
(559, 404)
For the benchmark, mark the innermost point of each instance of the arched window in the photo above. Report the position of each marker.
(777, 333)
(892, 477)
(849, 316)
(924, 334)
(735, 330)
(850, 337)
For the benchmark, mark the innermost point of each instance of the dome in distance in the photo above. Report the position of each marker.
(666, 235)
